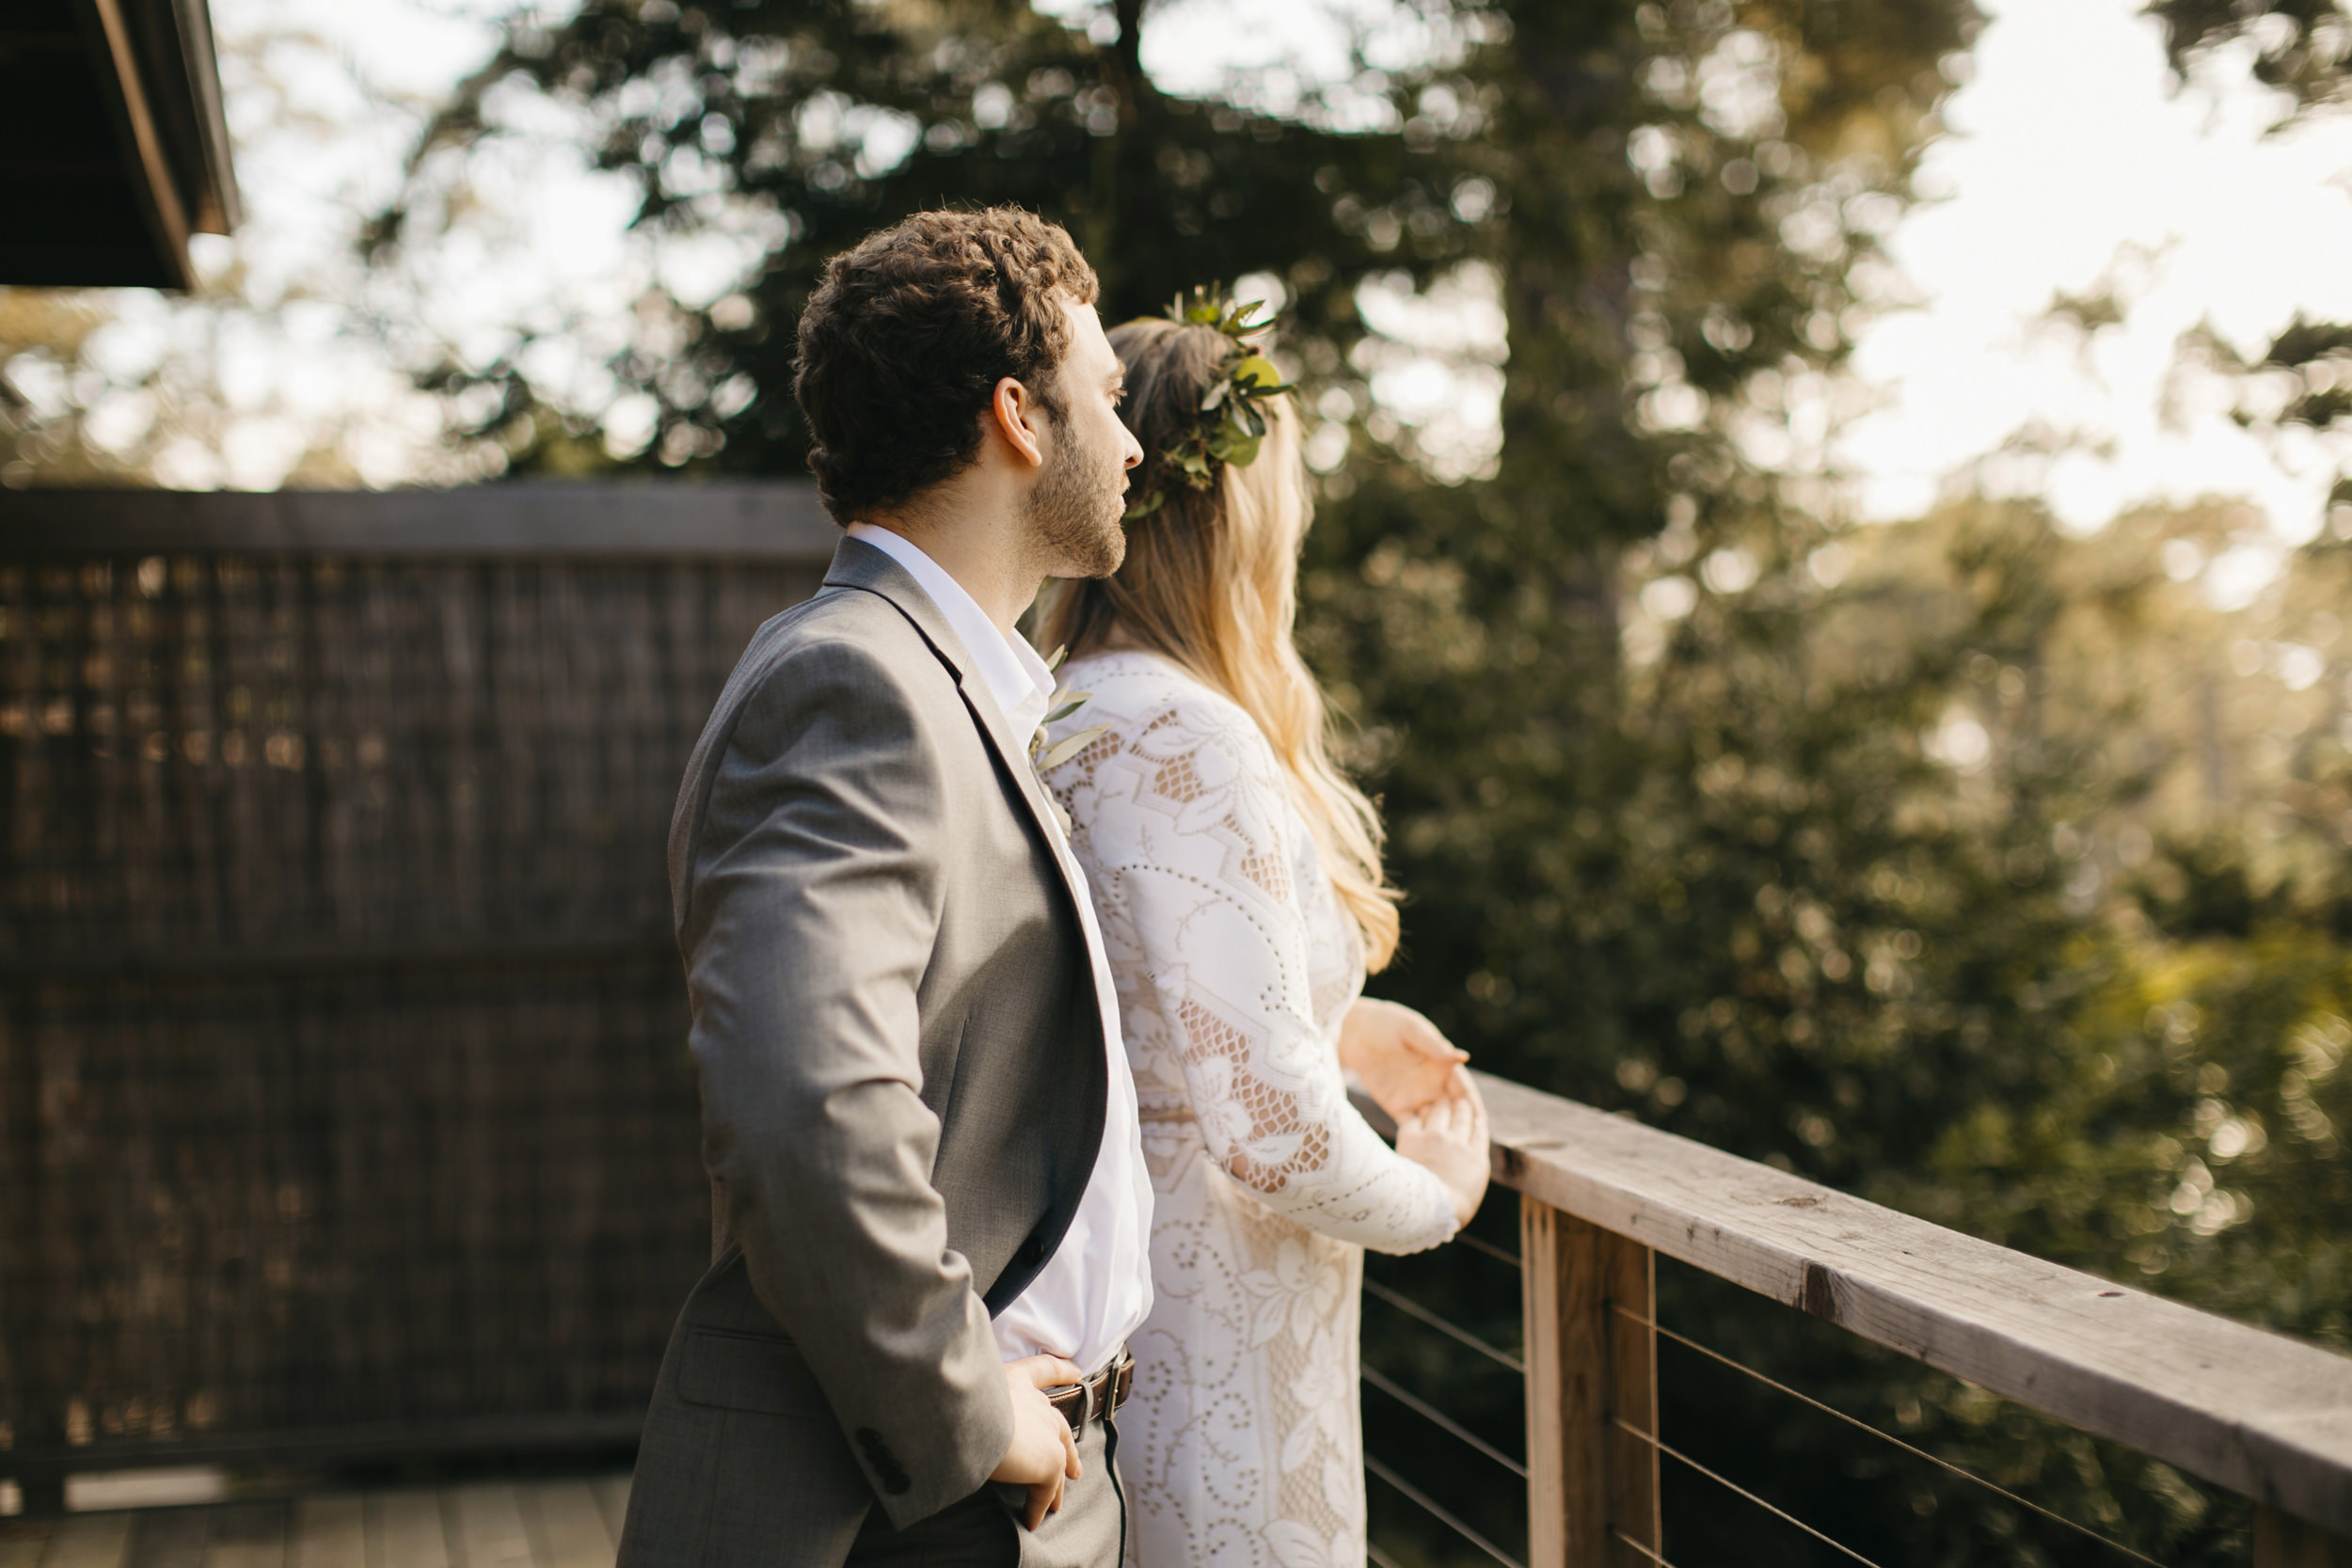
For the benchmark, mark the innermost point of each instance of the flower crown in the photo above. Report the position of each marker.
(1231, 419)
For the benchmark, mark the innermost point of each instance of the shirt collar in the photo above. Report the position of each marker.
(1015, 676)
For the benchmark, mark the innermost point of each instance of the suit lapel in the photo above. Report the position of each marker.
(858, 564)
(861, 566)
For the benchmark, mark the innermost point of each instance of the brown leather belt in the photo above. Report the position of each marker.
(1099, 1397)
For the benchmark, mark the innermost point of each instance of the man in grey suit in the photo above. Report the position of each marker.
(931, 1213)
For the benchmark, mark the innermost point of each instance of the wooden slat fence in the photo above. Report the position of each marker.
(343, 1097)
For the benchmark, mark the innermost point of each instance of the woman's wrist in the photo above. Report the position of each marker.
(1449, 1209)
(1352, 1033)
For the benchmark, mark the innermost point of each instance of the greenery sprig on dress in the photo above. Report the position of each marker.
(1063, 702)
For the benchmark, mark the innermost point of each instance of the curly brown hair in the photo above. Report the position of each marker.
(907, 335)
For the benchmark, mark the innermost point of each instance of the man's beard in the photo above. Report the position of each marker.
(1077, 514)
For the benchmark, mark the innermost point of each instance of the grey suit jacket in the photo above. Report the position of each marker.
(902, 1074)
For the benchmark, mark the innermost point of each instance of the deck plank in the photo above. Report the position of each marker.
(612, 1501)
(23, 1542)
(486, 1526)
(569, 1529)
(329, 1533)
(568, 1522)
(171, 1538)
(406, 1528)
(247, 1536)
(90, 1541)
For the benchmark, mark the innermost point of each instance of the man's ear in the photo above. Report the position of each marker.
(1008, 413)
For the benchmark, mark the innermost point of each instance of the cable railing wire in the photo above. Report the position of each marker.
(1442, 1421)
(1730, 1485)
(1436, 1510)
(1634, 1546)
(1412, 1308)
(1437, 1417)
(1499, 1254)
(1961, 1471)
(1421, 1407)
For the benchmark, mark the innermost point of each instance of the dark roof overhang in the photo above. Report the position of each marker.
(113, 148)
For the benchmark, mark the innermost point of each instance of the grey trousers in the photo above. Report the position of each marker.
(984, 1531)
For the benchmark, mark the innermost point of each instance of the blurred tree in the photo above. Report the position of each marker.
(2155, 1095)
(41, 332)
(832, 120)
(1692, 197)
(2168, 789)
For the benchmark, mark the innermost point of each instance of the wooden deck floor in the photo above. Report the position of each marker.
(548, 1524)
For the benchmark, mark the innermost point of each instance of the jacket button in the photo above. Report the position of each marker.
(887, 1469)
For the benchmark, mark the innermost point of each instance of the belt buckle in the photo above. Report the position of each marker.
(1097, 1398)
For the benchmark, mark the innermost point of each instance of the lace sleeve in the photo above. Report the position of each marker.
(1203, 870)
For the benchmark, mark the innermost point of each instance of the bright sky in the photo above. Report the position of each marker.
(2071, 161)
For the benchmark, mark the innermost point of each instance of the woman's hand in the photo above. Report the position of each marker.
(1402, 1060)
(1449, 1135)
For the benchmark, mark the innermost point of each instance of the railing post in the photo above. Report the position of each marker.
(1592, 1393)
(2283, 1541)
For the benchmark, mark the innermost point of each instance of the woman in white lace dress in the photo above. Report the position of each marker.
(1236, 873)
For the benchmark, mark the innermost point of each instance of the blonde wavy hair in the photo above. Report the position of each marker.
(1211, 582)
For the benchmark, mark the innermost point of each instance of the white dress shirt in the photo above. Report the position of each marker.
(1096, 1289)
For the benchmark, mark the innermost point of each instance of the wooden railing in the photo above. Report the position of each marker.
(1603, 1197)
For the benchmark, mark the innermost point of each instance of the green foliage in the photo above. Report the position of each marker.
(2195, 1130)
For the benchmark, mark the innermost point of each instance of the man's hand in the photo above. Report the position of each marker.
(1043, 1454)
(1449, 1135)
(1404, 1063)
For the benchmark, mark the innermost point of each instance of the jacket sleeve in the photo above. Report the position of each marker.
(810, 917)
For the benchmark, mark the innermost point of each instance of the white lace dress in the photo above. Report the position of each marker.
(1234, 963)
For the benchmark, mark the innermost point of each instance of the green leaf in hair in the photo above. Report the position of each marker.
(1231, 423)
